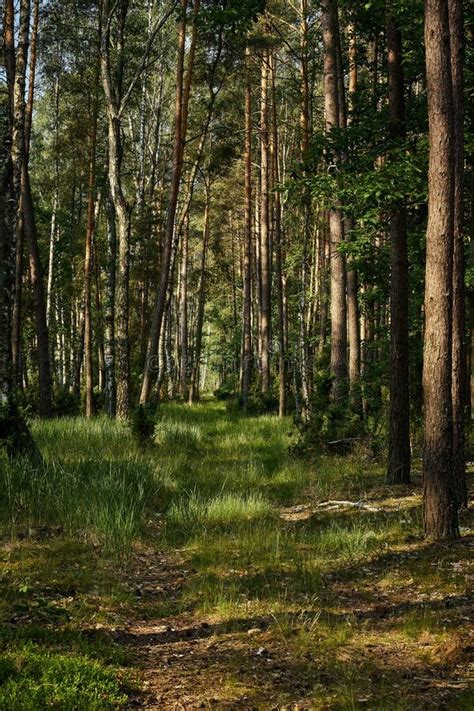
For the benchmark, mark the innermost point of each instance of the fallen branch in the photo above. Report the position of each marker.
(329, 505)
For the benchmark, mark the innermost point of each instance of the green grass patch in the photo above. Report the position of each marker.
(352, 602)
(33, 679)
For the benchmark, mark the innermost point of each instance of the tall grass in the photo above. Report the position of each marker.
(102, 500)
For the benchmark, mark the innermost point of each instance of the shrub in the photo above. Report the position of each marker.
(142, 425)
(66, 403)
(331, 426)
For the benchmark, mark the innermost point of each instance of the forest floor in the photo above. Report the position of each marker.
(245, 586)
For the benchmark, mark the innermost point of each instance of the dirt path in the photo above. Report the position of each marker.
(188, 661)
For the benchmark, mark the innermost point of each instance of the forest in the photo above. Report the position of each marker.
(236, 316)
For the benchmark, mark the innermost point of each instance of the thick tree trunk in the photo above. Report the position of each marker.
(398, 471)
(19, 259)
(336, 229)
(112, 85)
(439, 495)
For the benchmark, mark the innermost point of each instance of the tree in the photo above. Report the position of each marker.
(399, 417)
(329, 21)
(246, 370)
(183, 89)
(439, 495)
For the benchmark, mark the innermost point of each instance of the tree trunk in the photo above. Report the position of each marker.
(398, 471)
(306, 201)
(336, 230)
(195, 376)
(278, 250)
(459, 351)
(180, 127)
(265, 251)
(109, 311)
(88, 362)
(439, 494)
(183, 313)
(247, 258)
(353, 315)
(7, 213)
(112, 85)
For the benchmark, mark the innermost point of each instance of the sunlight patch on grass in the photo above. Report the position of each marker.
(189, 515)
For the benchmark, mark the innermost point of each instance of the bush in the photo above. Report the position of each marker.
(331, 426)
(257, 402)
(142, 425)
(66, 404)
(226, 391)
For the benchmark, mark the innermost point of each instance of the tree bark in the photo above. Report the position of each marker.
(399, 455)
(439, 492)
(265, 250)
(183, 88)
(278, 249)
(7, 212)
(247, 256)
(183, 312)
(109, 312)
(112, 84)
(336, 230)
(194, 389)
(88, 361)
(353, 315)
(459, 350)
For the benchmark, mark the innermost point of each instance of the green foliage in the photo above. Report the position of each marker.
(33, 679)
(194, 515)
(15, 437)
(66, 404)
(330, 425)
(100, 500)
(226, 391)
(142, 425)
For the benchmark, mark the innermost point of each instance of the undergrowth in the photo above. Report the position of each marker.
(244, 514)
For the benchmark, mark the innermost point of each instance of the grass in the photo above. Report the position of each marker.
(354, 608)
(32, 679)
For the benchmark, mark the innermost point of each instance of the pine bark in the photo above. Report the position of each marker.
(109, 312)
(399, 455)
(265, 237)
(112, 85)
(248, 247)
(194, 388)
(338, 364)
(278, 250)
(353, 314)
(88, 360)
(183, 313)
(439, 492)
(459, 350)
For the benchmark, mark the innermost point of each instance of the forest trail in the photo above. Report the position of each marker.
(265, 633)
(252, 579)
(192, 661)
